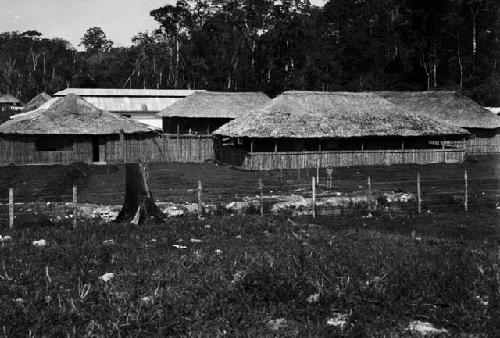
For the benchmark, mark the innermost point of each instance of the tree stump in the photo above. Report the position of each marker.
(139, 205)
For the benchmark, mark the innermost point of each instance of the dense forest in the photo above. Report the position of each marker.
(271, 46)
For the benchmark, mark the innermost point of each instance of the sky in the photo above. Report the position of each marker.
(69, 19)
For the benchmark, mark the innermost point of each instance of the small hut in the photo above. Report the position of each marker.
(9, 105)
(457, 110)
(10, 102)
(203, 112)
(304, 129)
(72, 130)
(37, 102)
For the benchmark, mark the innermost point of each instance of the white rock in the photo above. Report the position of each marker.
(195, 240)
(40, 242)
(147, 300)
(107, 277)
(108, 242)
(6, 238)
(218, 251)
(338, 320)
(424, 328)
(313, 298)
(179, 246)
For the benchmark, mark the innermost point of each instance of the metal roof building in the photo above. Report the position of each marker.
(138, 104)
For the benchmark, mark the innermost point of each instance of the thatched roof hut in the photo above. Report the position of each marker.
(72, 115)
(216, 105)
(9, 99)
(37, 101)
(316, 115)
(448, 106)
(69, 129)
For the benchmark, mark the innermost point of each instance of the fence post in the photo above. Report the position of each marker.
(124, 148)
(318, 164)
(261, 197)
(466, 197)
(75, 206)
(369, 191)
(419, 199)
(11, 208)
(314, 196)
(200, 203)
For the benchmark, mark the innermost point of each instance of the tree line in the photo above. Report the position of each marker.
(272, 46)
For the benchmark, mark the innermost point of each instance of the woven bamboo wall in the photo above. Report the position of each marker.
(295, 160)
(145, 148)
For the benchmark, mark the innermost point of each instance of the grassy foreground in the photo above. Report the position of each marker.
(233, 276)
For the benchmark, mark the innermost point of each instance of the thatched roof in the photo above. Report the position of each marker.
(333, 115)
(450, 107)
(9, 98)
(37, 101)
(216, 105)
(129, 100)
(72, 115)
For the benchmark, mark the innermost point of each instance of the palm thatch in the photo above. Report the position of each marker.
(334, 115)
(451, 107)
(72, 115)
(37, 101)
(216, 105)
(9, 99)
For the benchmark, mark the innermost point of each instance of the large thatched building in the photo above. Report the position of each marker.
(138, 104)
(72, 130)
(203, 112)
(456, 110)
(302, 129)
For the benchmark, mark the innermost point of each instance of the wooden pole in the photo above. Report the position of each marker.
(124, 148)
(75, 206)
(251, 145)
(200, 203)
(314, 196)
(318, 164)
(466, 197)
(275, 145)
(419, 198)
(11, 208)
(261, 197)
(369, 191)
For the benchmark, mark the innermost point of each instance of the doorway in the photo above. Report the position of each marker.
(95, 149)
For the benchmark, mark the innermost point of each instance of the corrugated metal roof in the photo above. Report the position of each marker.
(131, 104)
(126, 92)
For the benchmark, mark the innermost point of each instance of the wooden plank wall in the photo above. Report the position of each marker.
(295, 160)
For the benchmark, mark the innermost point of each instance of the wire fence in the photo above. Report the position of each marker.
(287, 191)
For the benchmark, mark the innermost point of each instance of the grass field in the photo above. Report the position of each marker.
(248, 275)
(233, 276)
